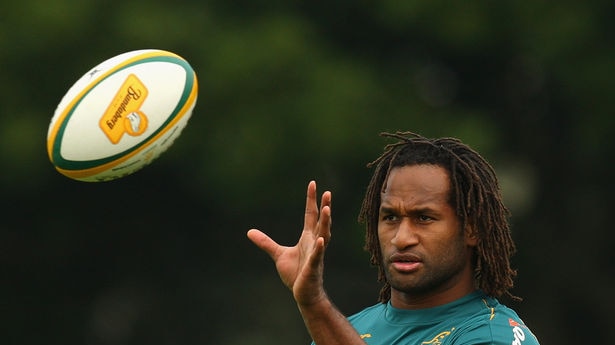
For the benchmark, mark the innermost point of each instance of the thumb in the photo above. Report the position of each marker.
(264, 242)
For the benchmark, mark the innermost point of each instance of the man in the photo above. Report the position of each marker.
(438, 232)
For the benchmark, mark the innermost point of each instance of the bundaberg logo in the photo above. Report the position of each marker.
(123, 115)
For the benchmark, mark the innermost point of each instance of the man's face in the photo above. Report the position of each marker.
(425, 252)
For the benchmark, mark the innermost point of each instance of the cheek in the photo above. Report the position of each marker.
(385, 236)
(453, 250)
(384, 240)
(441, 246)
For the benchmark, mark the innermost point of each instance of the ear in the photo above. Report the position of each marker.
(471, 235)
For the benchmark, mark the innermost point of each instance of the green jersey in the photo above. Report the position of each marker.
(474, 319)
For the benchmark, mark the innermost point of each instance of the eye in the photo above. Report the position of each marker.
(423, 218)
(389, 218)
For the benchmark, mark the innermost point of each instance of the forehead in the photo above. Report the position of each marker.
(417, 183)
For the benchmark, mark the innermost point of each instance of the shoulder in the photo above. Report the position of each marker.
(496, 325)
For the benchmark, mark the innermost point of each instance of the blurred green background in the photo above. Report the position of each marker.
(292, 91)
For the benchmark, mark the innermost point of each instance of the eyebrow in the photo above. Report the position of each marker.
(417, 210)
(387, 209)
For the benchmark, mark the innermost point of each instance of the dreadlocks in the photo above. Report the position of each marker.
(474, 194)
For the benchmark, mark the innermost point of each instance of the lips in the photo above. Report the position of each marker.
(405, 262)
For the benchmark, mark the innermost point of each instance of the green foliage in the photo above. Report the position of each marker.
(292, 91)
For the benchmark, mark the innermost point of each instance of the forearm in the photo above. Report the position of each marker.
(328, 326)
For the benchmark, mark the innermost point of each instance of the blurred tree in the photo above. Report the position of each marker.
(292, 91)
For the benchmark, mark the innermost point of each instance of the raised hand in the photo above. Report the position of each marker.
(301, 266)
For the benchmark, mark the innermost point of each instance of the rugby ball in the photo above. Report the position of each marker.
(121, 115)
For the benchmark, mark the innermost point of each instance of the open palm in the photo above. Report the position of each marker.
(301, 266)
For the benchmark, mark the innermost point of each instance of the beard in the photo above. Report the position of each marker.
(437, 273)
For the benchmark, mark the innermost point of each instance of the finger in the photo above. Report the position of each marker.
(324, 224)
(311, 208)
(326, 199)
(325, 219)
(318, 255)
(264, 242)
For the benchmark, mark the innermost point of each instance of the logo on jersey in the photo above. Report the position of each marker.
(518, 333)
(437, 340)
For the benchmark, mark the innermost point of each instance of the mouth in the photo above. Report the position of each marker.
(405, 263)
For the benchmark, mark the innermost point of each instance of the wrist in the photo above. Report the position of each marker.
(316, 302)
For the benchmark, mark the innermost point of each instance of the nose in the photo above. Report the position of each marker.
(406, 235)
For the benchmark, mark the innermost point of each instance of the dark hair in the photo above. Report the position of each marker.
(474, 194)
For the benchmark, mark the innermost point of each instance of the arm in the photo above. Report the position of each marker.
(327, 325)
(301, 269)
